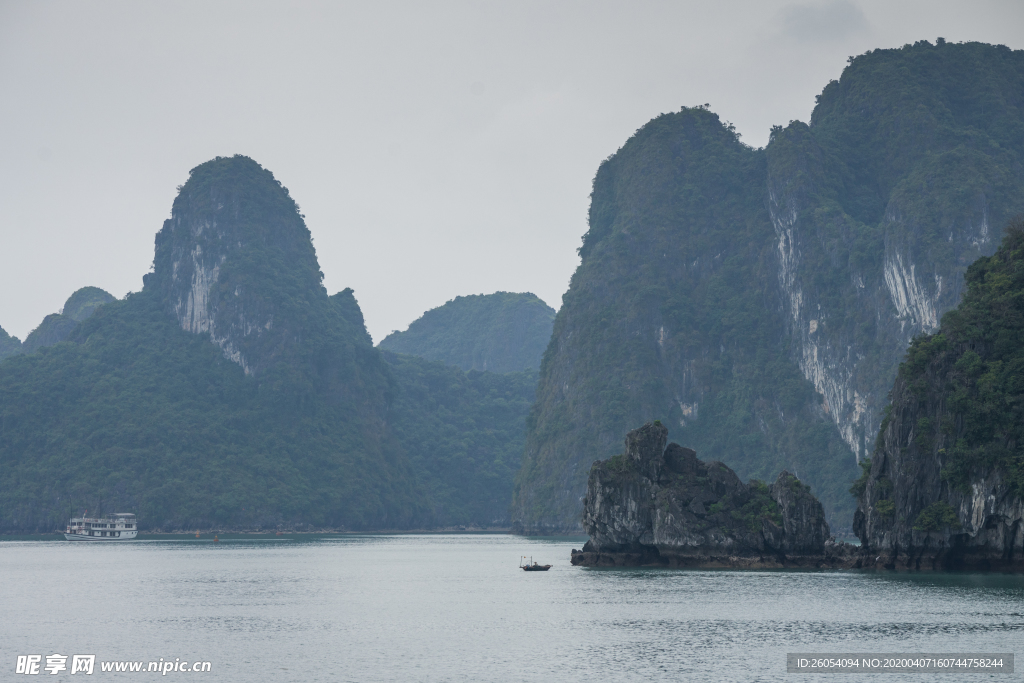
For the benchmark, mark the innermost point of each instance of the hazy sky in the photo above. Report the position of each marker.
(436, 148)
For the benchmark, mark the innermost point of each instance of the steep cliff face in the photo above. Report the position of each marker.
(675, 314)
(945, 485)
(658, 505)
(500, 332)
(235, 262)
(880, 205)
(759, 301)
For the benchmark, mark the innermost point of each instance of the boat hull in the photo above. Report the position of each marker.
(125, 536)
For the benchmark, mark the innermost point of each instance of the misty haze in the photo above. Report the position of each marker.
(505, 342)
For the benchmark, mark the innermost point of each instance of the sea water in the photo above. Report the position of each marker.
(458, 608)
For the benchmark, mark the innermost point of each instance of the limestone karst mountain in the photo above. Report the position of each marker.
(233, 391)
(500, 332)
(235, 261)
(758, 301)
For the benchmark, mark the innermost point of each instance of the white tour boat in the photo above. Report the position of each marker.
(120, 526)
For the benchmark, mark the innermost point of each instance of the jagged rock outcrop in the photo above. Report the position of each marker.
(657, 505)
(944, 488)
(500, 332)
(758, 301)
(345, 303)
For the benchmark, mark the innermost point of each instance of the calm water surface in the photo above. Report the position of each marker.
(457, 608)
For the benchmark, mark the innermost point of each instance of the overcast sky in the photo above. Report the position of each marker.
(436, 148)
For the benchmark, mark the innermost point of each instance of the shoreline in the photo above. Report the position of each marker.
(844, 559)
(204, 533)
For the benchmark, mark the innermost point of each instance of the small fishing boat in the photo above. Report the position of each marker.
(532, 566)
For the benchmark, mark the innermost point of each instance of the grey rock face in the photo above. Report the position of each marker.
(663, 505)
(804, 529)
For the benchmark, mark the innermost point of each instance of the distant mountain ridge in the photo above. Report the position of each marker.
(500, 332)
(56, 327)
(84, 302)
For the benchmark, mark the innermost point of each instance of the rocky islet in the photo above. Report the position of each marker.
(658, 505)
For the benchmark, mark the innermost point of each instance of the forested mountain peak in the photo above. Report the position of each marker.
(500, 332)
(893, 110)
(235, 261)
(684, 136)
(84, 302)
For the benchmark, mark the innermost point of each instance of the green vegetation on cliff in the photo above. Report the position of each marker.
(83, 303)
(673, 314)
(9, 345)
(980, 346)
(463, 433)
(945, 484)
(138, 414)
(54, 329)
(234, 392)
(142, 415)
(500, 332)
(759, 301)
